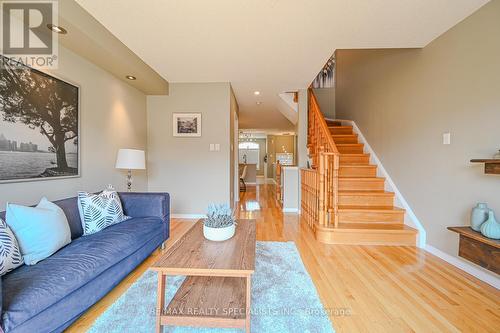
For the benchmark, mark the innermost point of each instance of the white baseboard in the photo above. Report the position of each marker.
(422, 235)
(290, 210)
(465, 266)
(188, 216)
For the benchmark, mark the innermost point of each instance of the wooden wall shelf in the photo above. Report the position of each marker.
(491, 166)
(480, 250)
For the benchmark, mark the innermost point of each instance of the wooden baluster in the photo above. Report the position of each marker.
(330, 194)
(336, 166)
(327, 188)
(320, 185)
(321, 205)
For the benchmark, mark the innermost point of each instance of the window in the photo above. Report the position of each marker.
(249, 153)
(248, 145)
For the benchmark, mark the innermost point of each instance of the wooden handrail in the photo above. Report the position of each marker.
(325, 163)
(315, 109)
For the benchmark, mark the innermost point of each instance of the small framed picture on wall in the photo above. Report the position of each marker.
(187, 124)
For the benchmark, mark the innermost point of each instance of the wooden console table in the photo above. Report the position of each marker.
(480, 250)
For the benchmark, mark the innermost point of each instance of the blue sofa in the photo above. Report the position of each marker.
(49, 296)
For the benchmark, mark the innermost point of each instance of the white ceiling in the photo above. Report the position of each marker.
(267, 45)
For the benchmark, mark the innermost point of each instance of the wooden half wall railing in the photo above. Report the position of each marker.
(319, 184)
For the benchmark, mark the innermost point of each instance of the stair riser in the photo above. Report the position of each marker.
(368, 238)
(333, 123)
(363, 185)
(357, 172)
(367, 201)
(341, 131)
(345, 139)
(371, 217)
(362, 160)
(358, 149)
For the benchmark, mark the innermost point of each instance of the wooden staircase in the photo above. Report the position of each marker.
(362, 212)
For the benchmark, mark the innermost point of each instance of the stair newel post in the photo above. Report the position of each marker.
(321, 196)
(335, 194)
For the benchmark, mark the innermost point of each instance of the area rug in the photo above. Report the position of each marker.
(284, 298)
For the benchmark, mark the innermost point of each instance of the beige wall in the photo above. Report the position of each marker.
(184, 167)
(284, 143)
(271, 157)
(112, 115)
(404, 100)
(275, 144)
(326, 101)
(262, 154)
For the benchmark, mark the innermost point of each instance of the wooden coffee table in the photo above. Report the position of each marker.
(216, 292)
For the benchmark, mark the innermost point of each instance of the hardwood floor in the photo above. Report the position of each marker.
(365, 288)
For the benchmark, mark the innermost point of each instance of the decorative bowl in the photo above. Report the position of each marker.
(219, 234)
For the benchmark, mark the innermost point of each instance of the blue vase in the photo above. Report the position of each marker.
(491, 228)
(479, 215)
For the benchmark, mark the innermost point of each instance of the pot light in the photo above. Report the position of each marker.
(57, 29)
(130, 77)
(258, 103)
(256, 93)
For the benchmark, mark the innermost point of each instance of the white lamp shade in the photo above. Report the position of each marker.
(131, 159)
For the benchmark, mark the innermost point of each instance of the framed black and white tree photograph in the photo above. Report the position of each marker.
(39, 125)
(187, 124)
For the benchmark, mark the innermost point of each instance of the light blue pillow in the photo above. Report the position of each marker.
(40, 231)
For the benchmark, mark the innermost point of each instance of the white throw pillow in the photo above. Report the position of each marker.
(99, 211)
(10, 255)
(40, 231)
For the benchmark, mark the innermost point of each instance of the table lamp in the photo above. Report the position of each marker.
(130, 159)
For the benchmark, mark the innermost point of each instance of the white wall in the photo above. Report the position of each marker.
(112, 115)
(301, 129)
(233, 160)
(184, 167)
(404, 100)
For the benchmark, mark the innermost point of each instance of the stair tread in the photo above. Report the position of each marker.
(363, 179)
(344, 135)
(350, 144)
(378, 227)
(354, 154)
(384, 209)
(371, 166)
(366, 193)
(342, 126)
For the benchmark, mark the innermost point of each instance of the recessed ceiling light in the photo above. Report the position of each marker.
(256, 93)
(130, 77)
(258, 103)
(57, 29)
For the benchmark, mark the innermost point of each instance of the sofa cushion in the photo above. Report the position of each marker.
(70, 209)
(99, 211)
(40, 231)
(10, 255)
(29, 290)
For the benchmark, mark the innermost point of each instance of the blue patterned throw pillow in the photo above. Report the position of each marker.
(10, 255)
(99, 211)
